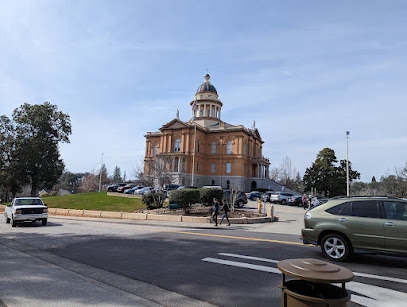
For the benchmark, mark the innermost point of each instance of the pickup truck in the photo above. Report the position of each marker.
(24, 209)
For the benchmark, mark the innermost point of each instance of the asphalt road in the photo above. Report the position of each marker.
(80, 262)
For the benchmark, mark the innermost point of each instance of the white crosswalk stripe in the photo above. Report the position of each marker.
(370, 295)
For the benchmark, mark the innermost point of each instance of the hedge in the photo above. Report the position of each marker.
(185, 197)
(206, 195)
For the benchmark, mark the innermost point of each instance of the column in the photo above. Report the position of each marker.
(164, 148)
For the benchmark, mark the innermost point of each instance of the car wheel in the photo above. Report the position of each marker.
(7, 220)
(240, 204)
(13, 223)
(44, 222)
(335, 247)
(283, 202)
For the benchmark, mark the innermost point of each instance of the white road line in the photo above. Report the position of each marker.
(249, 257)
(243, 265)
(372, 276)
(373, 295)
(379, 296)
(403, 281)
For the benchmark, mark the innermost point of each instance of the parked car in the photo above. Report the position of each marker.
(346, 225)
(240, 201)
(281, 197)
(169, 187)
(186, 187)
(26, 209)
(294, 201)
(266, 196)
(141, 191)
(254, 195)
(126, 187)
(113, 188)
(131, 191)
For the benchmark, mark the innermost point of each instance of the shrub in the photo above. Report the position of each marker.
(52, 193)
(184, 198)
(153, 200)
(206, 195)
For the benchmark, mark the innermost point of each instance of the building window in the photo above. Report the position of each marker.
(199, 146)
(228, 184)
(228, 168)
(213, 168)
(177, 145)
(197, 166)
(200, 112)
(213, 182)
(155, 149)
(213, 147)
(229, 147)
(209, 112)
(245, 149)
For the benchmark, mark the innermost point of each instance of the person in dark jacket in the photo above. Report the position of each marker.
(225, 209)
(215, 211)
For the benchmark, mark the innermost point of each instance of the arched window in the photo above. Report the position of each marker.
(177, 145)
(199, 146)
(213, 182)
(229, 147)
(228, 184)
(155, 149)
(213, 147)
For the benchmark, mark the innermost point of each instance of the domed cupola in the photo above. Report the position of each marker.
(206, 103)
(206, 86)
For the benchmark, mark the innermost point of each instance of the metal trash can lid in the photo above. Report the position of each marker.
(315, 270)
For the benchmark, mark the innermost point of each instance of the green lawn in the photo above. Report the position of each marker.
(94, 201)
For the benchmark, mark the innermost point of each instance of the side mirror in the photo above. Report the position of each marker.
(46, 205)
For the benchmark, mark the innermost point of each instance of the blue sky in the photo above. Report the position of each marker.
(306, 71)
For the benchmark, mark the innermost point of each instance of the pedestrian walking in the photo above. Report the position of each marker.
(225, 209)
(304, 201)
(215, 211)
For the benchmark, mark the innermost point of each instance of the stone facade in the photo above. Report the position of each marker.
(206, 150)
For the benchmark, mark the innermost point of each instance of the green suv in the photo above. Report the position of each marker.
(344, 225)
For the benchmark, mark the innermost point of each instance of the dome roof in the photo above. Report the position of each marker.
(206, 86)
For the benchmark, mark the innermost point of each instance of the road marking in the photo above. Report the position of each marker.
(249, 257)
(243, 265)
(372, 295)
(380, 277)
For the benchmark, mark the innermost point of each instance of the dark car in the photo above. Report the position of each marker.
(294, 201)
(240, 201)
(254, 195)
(186, 187)
(113, 188)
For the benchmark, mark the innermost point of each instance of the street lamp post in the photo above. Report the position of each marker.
(347, 163)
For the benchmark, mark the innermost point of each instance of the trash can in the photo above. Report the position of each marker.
(313, 286)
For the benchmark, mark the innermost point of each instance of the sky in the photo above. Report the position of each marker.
(305, 71)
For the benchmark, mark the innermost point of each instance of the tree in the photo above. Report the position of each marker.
(90, 183)
(286, 175)
(39, 130)
(104, 179)
(117, 175)
(327, 178)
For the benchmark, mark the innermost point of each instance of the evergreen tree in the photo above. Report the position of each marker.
(117, 177)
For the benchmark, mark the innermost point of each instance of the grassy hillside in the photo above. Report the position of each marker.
(94, 201)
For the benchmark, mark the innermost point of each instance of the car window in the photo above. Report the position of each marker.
(338, 208)
(346, 209)
(395, 210)
(365, 208)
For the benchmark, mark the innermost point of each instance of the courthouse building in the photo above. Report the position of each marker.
(224, 154)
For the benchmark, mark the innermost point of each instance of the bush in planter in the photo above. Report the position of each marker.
(153, 200)
(207, 195)
(184, 198)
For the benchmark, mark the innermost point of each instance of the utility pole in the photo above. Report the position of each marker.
(347, 163)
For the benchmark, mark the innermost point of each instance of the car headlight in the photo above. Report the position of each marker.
(307, 215)
(18, 211)
(45, 210)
